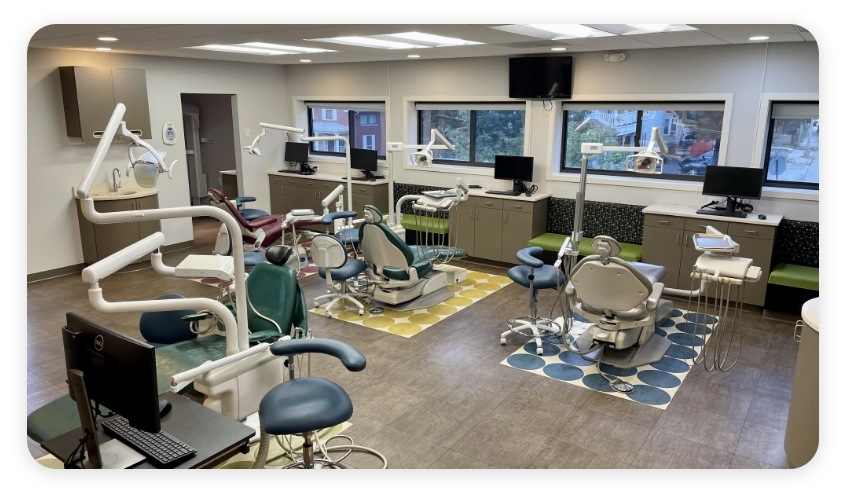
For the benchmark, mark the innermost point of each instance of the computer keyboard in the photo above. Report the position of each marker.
(722, 213)
(504, 193)
(161, 448)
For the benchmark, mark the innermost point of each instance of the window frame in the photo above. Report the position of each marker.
(351, 107)
(767, 149)
(640, 106)
(420, 106)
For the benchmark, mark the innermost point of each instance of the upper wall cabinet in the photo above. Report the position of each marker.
(90, 96)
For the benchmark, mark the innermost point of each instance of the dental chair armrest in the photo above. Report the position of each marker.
(199, 316)
(262, 221)
(331, 217)
(655, 297)
(352, 359)
(240, 200)
(528, 256)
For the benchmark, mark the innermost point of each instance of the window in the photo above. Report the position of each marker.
(690, 130)
(345, 119)
(792, 156)
(479, 131)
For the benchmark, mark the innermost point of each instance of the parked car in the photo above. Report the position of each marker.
(695, 165)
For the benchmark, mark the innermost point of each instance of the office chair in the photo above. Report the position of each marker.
(330, 256)
(622, 303)
(535, 275)
(302, 406)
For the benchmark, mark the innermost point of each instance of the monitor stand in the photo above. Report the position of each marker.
(520, 187)
(368, 175)
(113, 454)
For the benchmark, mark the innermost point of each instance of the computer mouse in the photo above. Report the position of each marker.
(164, 407)
(762, 216)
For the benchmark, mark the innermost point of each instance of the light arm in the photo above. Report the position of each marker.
(100, 153)
(253, 148)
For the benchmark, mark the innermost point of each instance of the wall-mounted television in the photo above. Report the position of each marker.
(540, 77)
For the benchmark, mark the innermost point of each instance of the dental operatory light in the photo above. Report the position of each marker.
(424, 156)
(253, 148)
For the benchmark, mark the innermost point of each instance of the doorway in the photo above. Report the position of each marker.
(212, 145)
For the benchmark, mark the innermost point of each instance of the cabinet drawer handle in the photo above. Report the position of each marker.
(749, 231)
(665, 222)
(98, 134)
(488, 203)
(518, 206)
(685, 239)
(678, 239)
(704, 226)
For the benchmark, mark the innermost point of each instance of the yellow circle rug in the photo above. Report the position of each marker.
(477, 286)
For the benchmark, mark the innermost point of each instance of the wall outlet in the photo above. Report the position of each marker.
(395, 146)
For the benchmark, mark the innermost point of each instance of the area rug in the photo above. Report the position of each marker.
(654, 384)
(476, 286)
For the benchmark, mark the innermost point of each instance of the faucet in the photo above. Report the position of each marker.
(116, 180)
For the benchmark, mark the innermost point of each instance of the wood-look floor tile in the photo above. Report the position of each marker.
(538, 413)
(452, 460)
(699, 425)
(384, 401)
(564, 455)
(403, 450)
(627, 410)
(502, 445)
(767, 411)
(437, 421)
(762, 443)
(605, 435)
(471, 392)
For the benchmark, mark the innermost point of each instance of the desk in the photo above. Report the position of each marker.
(214, 436)
(667, 241)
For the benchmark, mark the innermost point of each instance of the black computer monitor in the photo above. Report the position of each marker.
(364, 160)
(733, 183)
(515, 168)
(296, 152)
(119, 372)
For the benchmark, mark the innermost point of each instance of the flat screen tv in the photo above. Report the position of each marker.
(540, 77)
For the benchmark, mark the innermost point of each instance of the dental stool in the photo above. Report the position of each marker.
(535, 275)
(303, 406)
(330, 256)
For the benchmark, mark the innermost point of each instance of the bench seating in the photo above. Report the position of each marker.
(423, 224)
(551, 241)
(795, 275)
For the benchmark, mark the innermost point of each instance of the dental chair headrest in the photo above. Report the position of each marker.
(606, 247)
(372, 214)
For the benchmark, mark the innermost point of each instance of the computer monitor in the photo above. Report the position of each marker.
(733, 183)
(364, 160)
(119, 372)
(296, 152)
(515, 168)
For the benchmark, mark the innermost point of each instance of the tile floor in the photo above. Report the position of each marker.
(442, 400)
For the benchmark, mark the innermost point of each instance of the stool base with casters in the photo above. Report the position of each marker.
(538, 328)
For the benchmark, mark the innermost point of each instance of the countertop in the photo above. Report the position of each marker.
(690, 211)
(128, 190)
(480, 192)
(328, 178)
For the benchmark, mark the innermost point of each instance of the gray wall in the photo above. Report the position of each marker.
(267, 93)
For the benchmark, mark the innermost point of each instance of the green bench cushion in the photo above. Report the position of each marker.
(60, 416)
(551, 241)
(423, 224)
(795, 276)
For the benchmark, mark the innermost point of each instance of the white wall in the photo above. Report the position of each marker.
(740, 74)
(55, 162)
(268, 93)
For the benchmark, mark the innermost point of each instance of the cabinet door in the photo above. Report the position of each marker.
(689, 255)
(111, 238)
(278, 198)
(88, 99)
(464, 225)
(662, 246)
(150, 226)
(760, 251)
(130, 88)
(488, 232)
(516, 232)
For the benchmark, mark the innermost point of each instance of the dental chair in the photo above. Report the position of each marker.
(259, 233)
(330, 256)
(622, 301)
(404, 280)
(248, 213)
(535, 275)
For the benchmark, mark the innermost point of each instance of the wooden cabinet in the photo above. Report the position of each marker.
(90, 95)
(288, 192)
(102, 240)
(668, 241)
(495, 229)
